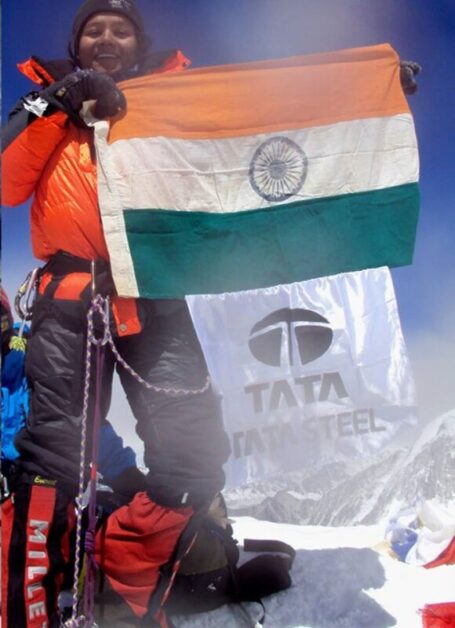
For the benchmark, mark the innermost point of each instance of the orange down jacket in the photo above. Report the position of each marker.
(53, 160)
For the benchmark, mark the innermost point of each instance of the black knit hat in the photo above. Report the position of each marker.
(88, 8)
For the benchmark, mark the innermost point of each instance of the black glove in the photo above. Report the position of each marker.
(128, 483)
(68, 94)
(408, 70)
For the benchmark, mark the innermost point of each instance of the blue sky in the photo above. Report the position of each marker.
(230, 31)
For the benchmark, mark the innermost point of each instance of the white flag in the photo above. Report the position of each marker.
(308, 371)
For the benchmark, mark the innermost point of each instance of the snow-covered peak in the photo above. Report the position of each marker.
(359, 492)
(441, 426)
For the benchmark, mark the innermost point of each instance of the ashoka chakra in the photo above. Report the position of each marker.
(278, 169)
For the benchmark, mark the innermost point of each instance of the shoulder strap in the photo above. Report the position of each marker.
(155, 614)
(45, 72)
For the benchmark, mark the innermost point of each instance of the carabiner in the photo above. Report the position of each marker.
(26, 293)
(4, 489)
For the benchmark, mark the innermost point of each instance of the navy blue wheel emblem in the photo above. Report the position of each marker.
(278, 169)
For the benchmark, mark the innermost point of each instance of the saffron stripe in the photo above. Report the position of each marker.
(268, 96)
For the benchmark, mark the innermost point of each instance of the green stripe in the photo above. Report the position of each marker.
(177, 253)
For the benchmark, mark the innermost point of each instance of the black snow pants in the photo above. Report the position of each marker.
(185, 445)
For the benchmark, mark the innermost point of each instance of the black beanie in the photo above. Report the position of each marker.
(88, 8)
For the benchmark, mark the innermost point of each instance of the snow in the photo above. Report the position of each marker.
(445, 422)
(342, 578)
(345, 577)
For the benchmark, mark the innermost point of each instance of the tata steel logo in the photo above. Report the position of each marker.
(290, 337)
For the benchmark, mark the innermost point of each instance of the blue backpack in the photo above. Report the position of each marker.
(15, 396)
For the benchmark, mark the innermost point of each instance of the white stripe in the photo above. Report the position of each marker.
(212, 175)
(111, 209)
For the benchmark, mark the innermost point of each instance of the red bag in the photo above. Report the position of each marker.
(439, 615)
(135, 542)
(447, 557)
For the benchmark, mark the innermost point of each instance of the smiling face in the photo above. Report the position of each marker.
(108, 43)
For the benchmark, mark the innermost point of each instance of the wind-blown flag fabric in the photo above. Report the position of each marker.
(245, 176)
(309, 372)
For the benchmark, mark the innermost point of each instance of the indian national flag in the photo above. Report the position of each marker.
(244, 176)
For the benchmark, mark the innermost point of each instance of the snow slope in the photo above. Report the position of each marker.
(343, 576)
(339, 581)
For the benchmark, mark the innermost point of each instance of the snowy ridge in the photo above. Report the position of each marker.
(443, 425)
(358, 492)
